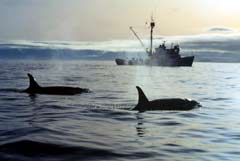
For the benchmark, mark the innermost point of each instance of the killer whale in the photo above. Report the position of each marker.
(35, 88)
(177, 104)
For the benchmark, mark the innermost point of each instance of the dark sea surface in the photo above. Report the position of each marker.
(101, 126)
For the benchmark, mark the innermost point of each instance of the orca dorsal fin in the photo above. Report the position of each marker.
(142, 99)
(32, 83)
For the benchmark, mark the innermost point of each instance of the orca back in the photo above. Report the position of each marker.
(34, 88)
(163, 104)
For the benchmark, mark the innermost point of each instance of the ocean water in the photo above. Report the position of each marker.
(100, 125)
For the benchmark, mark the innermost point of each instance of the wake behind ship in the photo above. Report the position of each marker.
(160, 56)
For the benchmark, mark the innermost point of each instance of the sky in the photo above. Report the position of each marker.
(104, 20)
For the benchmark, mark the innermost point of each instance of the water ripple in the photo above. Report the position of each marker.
(101, 125)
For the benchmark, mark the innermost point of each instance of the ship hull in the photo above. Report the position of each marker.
(184, 61)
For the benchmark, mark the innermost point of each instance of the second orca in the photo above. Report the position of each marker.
(35, 88)
(176, 104)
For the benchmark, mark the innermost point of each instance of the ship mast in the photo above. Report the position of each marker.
(152, 25)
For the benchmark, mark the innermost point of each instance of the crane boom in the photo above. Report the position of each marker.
(135, 34)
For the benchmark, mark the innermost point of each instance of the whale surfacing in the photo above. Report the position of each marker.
(176, 104)
(35, 88)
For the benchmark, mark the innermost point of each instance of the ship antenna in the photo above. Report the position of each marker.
(152, 25)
